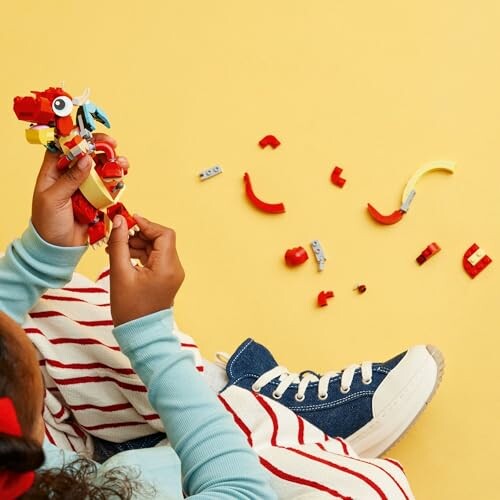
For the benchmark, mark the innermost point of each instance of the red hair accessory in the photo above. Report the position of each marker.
(12, 484)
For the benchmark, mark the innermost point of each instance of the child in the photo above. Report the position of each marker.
(314, 451)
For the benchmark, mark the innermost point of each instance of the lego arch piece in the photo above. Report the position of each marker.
(323, 297)
(270, 208)
(410, 192)
(475, 260)
(447, 166)
(335, 177)
(269, 140)
(396, 216)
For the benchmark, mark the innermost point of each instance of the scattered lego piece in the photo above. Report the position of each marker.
(323, 298)
(271, 208)
(296, 256)
(335, 177)
(406, 205)
(410, 192)
(447, 166)
(269, 140)
(396, 216)
(428, 252)
(475, 260)
(360, 288)
(319, 254)
(210, 172)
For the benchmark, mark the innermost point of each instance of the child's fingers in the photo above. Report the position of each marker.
(119, 251)
(70, 181)
(149, 230)
(123, 162)
(162, 239)
(139, 254)
(48, 173)
(139, 243)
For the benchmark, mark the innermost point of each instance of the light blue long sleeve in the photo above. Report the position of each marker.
(216, 461)
(29, 267)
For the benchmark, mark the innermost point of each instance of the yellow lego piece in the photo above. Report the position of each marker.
(40, 135)
(448, 166)
(96, 192)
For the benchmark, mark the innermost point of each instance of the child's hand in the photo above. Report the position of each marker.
(139, 291)
(52, 210)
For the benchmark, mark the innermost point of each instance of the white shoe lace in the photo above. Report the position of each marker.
(288, 378)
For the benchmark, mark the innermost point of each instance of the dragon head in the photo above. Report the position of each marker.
(51, 108)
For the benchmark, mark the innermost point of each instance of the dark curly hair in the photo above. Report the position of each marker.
(77, 481)
(74, 481)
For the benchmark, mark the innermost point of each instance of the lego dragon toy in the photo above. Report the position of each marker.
(51, 124)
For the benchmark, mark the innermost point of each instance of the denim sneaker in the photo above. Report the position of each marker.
(369, 405)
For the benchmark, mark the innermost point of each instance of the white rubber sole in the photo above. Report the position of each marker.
(399, 400)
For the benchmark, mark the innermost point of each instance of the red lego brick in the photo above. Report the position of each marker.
(269, 140)
(296, 256)
(335, 177)
(428, 252)
(473, 269)
(323, 298)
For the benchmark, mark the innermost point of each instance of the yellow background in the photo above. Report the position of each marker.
(376, 87)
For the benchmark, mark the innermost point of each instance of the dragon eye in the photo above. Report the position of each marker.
(62, 106)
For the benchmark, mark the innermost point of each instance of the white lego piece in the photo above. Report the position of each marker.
(318, 254)
(210, 172)
(406, 205)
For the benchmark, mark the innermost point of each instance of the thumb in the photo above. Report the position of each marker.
(118, 250)
(71, 180)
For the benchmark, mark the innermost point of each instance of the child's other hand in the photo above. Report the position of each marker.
(139, 291)
(52, 210)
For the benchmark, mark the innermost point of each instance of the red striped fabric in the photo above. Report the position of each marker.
(103, 275)
(91, 289)
(94, 380)
(70, 299)
(238, 420)
(102, 396)
(343, 444)
(51, 314)
(86, 366)
(287, 449)
(301, 480)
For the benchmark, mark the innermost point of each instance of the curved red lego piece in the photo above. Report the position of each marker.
(271, 208)
(269, 140)
(473, 266)
(396, 216)
(335, 177)
(106, 148)
(323, 298)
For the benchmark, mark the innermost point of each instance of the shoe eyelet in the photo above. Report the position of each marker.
(276, 395)
(323, 396)
(367, 382)
(299, 398)
(256, 388)
(345, 391)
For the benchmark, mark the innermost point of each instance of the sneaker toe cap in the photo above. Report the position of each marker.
(411, 382)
